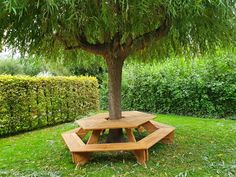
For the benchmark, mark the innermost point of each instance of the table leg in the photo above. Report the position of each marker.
(169, 139)
(80, 158)
(141, 155)
(130, 135)
(94, 138)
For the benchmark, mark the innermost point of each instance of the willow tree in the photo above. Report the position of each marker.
(115, 29)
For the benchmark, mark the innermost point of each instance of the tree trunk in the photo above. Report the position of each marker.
(114, 85)
(114, 65)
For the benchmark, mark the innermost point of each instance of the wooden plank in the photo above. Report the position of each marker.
(131, 119)
(94, 138)
(130, 135)
(149, 127)
(109, 147)
(154, 137)
(160, 125)
(77, 139)
(169, 139)
(72, 141)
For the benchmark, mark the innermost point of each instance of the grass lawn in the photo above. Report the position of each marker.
(203, 147)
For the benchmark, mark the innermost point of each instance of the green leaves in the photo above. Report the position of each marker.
(204, 87)
(28, 103)
(196, 26)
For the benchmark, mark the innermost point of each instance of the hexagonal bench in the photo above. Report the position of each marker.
(97, 124)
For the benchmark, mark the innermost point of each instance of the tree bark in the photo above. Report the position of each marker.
(114, 86)
(114, 65)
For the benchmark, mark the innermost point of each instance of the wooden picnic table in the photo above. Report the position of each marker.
(131, 120)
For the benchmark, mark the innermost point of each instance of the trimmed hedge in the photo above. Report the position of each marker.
(201, 87)
(28, 103)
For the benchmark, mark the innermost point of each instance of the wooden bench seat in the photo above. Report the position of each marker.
(75, 144)
(154, 137)
(72, 141)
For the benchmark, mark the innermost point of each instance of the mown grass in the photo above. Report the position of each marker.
(203, 147)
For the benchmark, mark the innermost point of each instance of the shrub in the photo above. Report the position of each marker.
(21, 67)
(11, 67)
(203, 87)
(28, 103)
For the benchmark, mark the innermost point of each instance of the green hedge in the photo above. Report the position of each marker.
(28, 103)
(203, 87)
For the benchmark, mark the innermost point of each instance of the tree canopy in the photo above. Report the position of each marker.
(91, 25)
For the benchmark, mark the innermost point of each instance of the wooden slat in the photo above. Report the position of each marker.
(109, 147)
(72, 141)
(160, 125)
(154, 137)
(77, 139)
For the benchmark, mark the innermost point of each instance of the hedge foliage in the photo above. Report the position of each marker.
(204, 87)
(28, 103)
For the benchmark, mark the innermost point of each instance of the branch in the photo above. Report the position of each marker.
(116, 40)
(83, 44)
(98, 48)
(142, 41)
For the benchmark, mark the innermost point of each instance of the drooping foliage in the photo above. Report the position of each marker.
(196, 26)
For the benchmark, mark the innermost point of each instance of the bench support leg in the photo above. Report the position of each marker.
(81, 133)
(141, 156)
(80, 158)
(169, 139)
(130, 135)
(149, 127)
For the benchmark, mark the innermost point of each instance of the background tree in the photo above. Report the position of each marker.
(116, 29)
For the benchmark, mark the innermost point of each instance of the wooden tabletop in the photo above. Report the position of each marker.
(131, 119)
